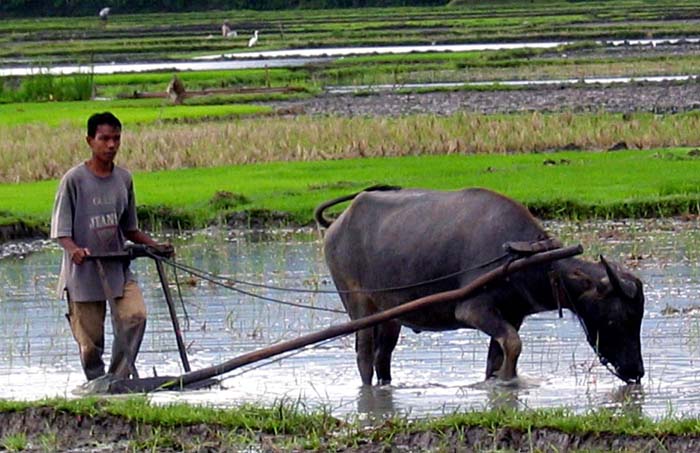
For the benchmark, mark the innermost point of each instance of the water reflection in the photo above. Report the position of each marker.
(381, 50)
(305, 56)
(501, 397)
(113, 68)
(628, 398)
(376, 402)
(434, 372)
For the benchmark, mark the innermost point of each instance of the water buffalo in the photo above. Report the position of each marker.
(392, 246)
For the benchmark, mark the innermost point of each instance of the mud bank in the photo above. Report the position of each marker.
(21, 230)
(51, 429)
(654, 98)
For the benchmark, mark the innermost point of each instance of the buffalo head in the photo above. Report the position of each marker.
(610, 307)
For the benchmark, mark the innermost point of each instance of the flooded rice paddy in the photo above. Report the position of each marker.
(307, 56)
(114, 68)
(433, 373)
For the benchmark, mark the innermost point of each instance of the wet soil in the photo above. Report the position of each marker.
(629, 98)
(52, 429)
(20, 230)
(661, 97)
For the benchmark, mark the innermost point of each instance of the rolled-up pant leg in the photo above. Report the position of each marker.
(129, 325)
(87, 324)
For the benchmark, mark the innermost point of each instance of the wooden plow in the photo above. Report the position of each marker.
(205, 377)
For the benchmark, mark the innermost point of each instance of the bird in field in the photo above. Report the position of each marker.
(104, 13)
(253, 39)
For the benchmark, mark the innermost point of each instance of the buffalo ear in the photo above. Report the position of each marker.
(620, 285)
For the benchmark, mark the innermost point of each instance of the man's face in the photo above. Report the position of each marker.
(105, 143)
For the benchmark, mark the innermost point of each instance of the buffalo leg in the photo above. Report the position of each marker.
(385, 339)
(364, 349)
(495, 356)
(359, 306)
(479, 313)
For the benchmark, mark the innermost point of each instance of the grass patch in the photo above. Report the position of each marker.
(579, 184)
(14, 442)
(288, 425)
(241, 140)
(128, 111)
(47, 87)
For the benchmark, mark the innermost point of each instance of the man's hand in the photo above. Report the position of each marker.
(78, 254)
(164, 250)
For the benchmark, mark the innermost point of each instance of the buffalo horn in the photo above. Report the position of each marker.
(620, 285)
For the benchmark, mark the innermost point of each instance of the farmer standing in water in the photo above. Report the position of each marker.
(95, 212)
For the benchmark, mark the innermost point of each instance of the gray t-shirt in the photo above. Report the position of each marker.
(95, 212)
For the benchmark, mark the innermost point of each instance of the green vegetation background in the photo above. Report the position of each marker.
(71, 7)
(635, 183)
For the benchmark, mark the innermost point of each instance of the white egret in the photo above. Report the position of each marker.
(253, 40)
(104, 13)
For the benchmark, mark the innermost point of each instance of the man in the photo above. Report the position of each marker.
(95, 212)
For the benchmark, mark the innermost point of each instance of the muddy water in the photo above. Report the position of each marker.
(433, 373)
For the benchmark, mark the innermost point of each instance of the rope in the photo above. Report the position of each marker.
(206, 275)
(217, 280)
(247, 293)
(182, 301)
(594, 344)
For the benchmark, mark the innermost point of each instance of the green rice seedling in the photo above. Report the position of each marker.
(79, 87)
(44, 87)
(181, 198)
(187, 34)
(39, 87)
(136, 111)
(48, 441)
(158, 439)
(15, 442)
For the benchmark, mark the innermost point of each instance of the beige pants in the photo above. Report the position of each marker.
(128, 323)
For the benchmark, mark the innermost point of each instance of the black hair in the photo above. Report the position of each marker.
(102, 118)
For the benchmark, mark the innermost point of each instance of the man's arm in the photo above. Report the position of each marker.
(77, 254)
(139, 237)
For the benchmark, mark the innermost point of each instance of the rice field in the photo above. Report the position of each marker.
(435, 373)
(156, 144)
(188, 34)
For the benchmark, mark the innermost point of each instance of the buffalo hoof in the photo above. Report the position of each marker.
(381, 382)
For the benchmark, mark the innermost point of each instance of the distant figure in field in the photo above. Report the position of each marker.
(226, 31)
(104, 14)
(253, 40)
(176, 90)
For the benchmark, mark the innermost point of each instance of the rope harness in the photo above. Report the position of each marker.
(513, 251)
(562, 298)
(216, 279)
